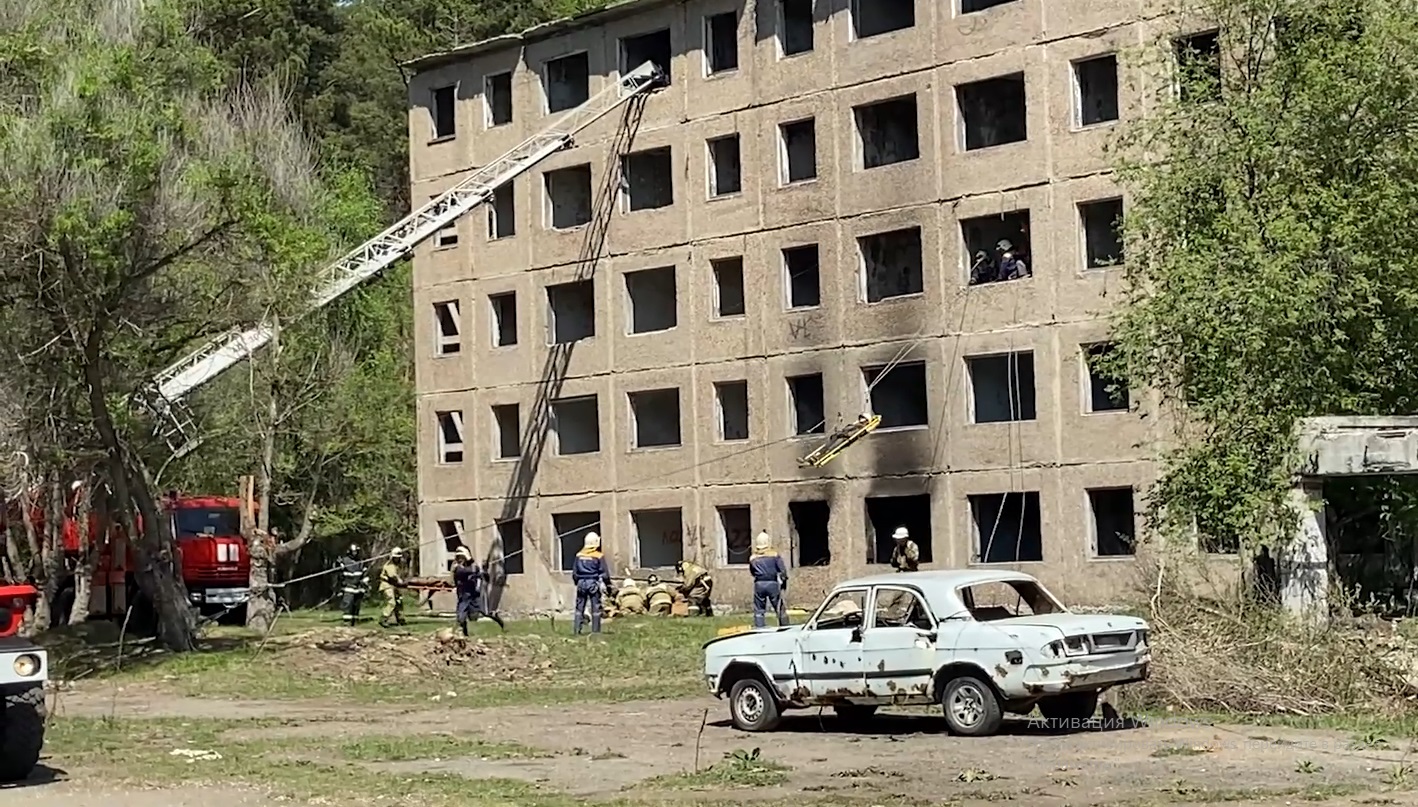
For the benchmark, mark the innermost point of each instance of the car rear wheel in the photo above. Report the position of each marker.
(753, 706)
(971, 707)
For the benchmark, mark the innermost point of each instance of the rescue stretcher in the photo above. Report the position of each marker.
(840, 441)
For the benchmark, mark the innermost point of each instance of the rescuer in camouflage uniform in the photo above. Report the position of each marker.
(906, 557)
(696, 585)
(630, 599)
(392, 585)
(659, 600)
(352, 584)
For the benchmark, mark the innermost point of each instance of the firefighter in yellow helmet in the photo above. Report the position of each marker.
(696, 585)
(392, 585)
(770, 580)
(630, 599)
(658, 597)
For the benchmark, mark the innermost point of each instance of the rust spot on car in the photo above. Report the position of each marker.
(891, 685)
(801, 694)
(1034, 689)
(1001, 671)
(881, 666)
(920, 688)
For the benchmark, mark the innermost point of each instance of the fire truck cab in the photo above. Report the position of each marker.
(216, 566)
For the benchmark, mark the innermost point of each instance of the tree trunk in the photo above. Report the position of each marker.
(87, 560)
(261, 608)
(157, 572)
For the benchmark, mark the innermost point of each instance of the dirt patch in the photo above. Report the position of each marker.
(360, 656)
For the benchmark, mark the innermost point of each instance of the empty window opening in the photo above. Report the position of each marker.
(571, 308)
(504, 319)
(451, 531)
(502, 213)
(567, 82)
(728, 287)
(725, 166)
(653, 300)
(1106, 393)
(571, 529)
(809, 409)
(1114, 522)
(803, 276)
(989, 602)
(497, 94)
(809, 521)
(659, 537)
(450, 436)
(449, 338)
(798, 150)
(1096, 82)
(508, 420)
(568, 193)
(731, 401)
(893, 264)
(1199, 66)
(445, 112)
(448, 236)
(647, 179)
(654, 416)
(993, 112)
(1102, 233)
(875, 17)
(899, 396)
(577, 423)
(1003, 387)
(1007, 527)
(735, 534)
(972, 6)
(886, 513)
(998, 247)
(795, 26)
(510, 532)
(721, 42)
(642, 48)
(888, 132)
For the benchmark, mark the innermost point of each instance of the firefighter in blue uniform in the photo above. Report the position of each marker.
(468, 578)
(590, 572)
(770, 581)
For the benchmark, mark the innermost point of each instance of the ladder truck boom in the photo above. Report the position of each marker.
(171, 386)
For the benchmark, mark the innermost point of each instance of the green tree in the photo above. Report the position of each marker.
(1267, 227)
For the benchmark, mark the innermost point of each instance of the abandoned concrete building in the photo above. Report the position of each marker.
(644, 333)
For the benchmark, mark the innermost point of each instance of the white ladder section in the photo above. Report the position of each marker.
(377, 254)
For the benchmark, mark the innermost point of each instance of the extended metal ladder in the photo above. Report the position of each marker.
(164, 398)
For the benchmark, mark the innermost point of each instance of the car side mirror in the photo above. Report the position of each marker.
(856, 634)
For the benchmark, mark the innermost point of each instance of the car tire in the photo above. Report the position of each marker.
(753, 706)
(21, 733)
(971, 707)
(854, 712)
(1070, 710)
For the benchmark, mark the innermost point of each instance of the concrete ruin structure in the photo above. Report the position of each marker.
(644, 333)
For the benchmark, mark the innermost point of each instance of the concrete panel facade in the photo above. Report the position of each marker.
(1053, 451)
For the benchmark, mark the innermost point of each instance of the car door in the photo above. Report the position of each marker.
(828, 662)
(899, 644)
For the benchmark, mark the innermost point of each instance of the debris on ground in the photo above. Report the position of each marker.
(358, 655)
(195, 755)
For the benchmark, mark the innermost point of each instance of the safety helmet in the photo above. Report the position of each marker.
(1004, 245)
(679, 567)
(762, 542)
(629, 583)
(653, 580)
(396, 554)
(354, 549)
(593, 541)
(462, 553)
(901, 534)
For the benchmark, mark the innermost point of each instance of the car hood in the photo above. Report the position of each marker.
(1076, 624)
(753, 634)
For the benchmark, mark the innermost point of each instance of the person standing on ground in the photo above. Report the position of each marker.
(468, 578)
(696, 585)
(590, 572)
(352, 584)
(392, 585)
(906, 557)
(770, 581)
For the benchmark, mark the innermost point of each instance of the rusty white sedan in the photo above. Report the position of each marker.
(980, 643)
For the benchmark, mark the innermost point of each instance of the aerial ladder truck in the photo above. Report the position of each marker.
(23, 665)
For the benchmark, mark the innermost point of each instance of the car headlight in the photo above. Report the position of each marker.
(26, 665)
(1076, 646)
(1142, 638)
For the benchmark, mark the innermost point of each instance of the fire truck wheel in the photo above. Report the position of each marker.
(21, 733)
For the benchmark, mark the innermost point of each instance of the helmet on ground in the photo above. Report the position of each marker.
(593, 541)
(762, 542)
(653, 580)
(629, 583)
(462, 553)
(396, 554)
(901, 534)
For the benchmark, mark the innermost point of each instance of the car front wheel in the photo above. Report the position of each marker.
(753, 706)
(971, 707)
